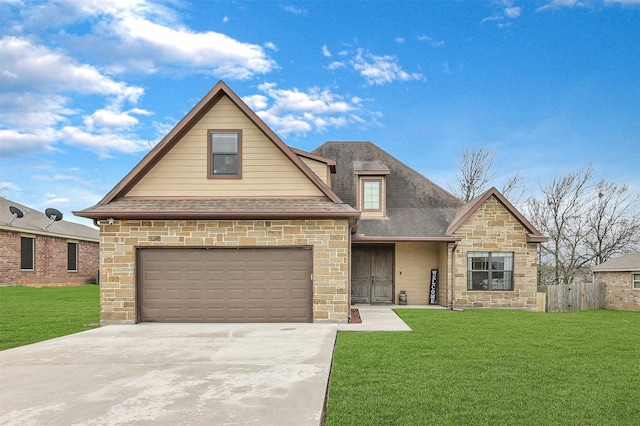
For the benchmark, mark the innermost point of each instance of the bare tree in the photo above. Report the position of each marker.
(559, 215)
(613, 222)
(586, 223)
(474, 173)
(514, 189)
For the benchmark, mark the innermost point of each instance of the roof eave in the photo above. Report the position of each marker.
(389, 239)
(47, 233)
(536, 238)
(213, 215)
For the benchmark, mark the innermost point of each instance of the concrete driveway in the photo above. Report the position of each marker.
(178, 374)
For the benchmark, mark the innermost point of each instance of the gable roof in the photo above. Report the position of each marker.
(416, 208)
(627, 263)
(219, 91)
(329, 162)
(35, 221)
(533, 235)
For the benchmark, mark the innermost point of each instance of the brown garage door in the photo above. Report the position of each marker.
(225, 284)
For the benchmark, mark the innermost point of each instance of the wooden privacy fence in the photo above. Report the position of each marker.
(574, 297)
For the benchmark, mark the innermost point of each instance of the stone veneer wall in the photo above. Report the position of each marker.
(329, 238)
(493, 228)
(619, 290)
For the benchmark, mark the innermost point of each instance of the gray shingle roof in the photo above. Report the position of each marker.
(627, 263)
(416, 207)
(34, 222)
(219, 208)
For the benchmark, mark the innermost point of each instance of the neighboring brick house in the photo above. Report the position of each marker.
(223, 222)
(621, 277)
(34, 251)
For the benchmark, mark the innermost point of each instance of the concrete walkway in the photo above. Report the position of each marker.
(382, 318)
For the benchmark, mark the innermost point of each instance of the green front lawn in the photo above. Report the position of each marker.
(490, 367)
(29, 315)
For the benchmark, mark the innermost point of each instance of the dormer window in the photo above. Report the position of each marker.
(372, 188)
(225, 147)
(371, 194)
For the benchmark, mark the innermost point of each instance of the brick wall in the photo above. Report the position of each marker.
(50, 261)
(619, 291)
(329, 238)
(492, 228)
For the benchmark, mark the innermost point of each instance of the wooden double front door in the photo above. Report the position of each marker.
(372, 273)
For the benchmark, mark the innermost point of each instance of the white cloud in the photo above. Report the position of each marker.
(512, 12)
(270, 45)
(225, 19)
(256, 102)
(335, 65)
(379, 70)
(212, 51)
(38, 84)
(559, 4)
(399, 40)
(103, 144)
(290, 111)
(432, 42)
(295, 10)
(325, 51)
(147, 36)
(26, 66)
(15, 142)
(507, 11)
(53, 199)
(113, 118)
(556, 4)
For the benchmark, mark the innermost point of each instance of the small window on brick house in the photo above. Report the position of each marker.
(72, 256)
(636, 281)
(26, 253)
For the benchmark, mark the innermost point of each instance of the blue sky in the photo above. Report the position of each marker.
(88, 87)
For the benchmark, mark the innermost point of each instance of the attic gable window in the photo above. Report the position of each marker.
(225, 147)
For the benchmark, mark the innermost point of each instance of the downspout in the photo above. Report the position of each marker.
(453, 275)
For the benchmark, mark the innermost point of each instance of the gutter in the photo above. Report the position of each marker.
(453, 276)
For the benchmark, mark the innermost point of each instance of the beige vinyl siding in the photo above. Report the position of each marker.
(319, 168)
(414, 262)
(266, 171)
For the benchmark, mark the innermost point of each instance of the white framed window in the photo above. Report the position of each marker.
(489, 271)
(636, 281)
(372, 194)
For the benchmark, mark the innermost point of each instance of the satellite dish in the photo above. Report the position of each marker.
(53, 215)
(16, 212)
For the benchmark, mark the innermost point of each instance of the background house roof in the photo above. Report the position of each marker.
(34, 222)
(416, 207)
(628, 262)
